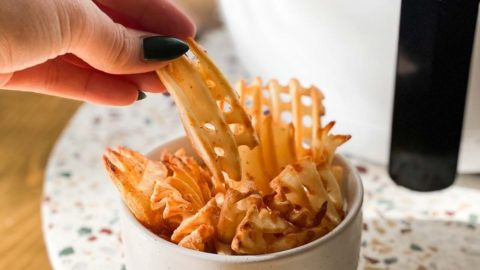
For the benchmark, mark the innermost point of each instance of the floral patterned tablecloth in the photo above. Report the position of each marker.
(402, 229)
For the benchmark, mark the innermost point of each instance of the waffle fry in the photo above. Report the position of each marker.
(206, 216)
(219, 125)
(199, 239)
(204, 124)
(170, 202)
(227, 99)
(295, 239)
(287, 119)
(197, 232)
(234, 209)
(300, 194)
(135, 176)
(324, 144)
(258, 229)
(194, 180)
(268, 182)
(183, 192)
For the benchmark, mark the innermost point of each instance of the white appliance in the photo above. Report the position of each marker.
(349, 50)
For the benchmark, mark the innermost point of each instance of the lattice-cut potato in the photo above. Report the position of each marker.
(235, 207)
(258, 230)
(295, 239)
(213, 119)
(300, 194)
(331, 185)
(205, 127)
(185, 191)
(226, 97)
(286, 118)
(169, 199)
(302, 107)
(199, 239)
(135, 176)
(198, 230)
(187, 168)
(325, 144)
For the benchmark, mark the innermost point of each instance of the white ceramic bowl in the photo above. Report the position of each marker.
(338, 250)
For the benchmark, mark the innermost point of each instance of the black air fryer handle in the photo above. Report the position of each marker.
(433, 63)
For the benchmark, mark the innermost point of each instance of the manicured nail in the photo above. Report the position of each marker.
(141, 95)
(163, 48)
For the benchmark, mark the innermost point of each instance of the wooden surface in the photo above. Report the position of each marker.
(29, 127)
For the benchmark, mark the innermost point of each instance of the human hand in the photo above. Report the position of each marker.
(89, 50)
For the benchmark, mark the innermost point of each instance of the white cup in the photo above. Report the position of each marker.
(339, 249)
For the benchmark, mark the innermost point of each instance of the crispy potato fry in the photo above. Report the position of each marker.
(183, 192)
(207, 216)
(324, 145)
(295, 114)
(190, 166)
(234, 209)
(294, 239)
(258, 229)
(331, 186)
(205, 127)
(170, 201)
(198, 239)
(338, 173)
(223, 93)
(135, 176)
(300, 194)
(220, 125)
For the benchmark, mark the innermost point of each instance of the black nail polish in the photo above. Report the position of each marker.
(141, 95)
(163, 48)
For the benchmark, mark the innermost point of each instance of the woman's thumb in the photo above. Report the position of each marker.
(113, 48)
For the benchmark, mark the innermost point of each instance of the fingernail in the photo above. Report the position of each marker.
(141, 95)
(163, 48)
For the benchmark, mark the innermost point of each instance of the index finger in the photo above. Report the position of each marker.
(156, 16)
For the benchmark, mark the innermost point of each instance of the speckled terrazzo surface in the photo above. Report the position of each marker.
(402, 229)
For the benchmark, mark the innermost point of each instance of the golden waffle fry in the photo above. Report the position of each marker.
(190, 166)
(135, 176)
(286, 119)
(219, 125)
(199, 239)
(324, 144)
(253, 174)
(294, 239)
(205, 127)
(183, 192)
(208, 216)
(258, 230)
(223, 93)
(300, 106)
(234, 208)
(300, 194)
(331, 186)
(172, 202)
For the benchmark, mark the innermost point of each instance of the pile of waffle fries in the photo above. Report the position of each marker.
(265, 180)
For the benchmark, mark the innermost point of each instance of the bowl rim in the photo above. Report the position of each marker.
(346, 222)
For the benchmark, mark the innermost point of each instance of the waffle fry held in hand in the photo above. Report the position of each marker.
(265, 179)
